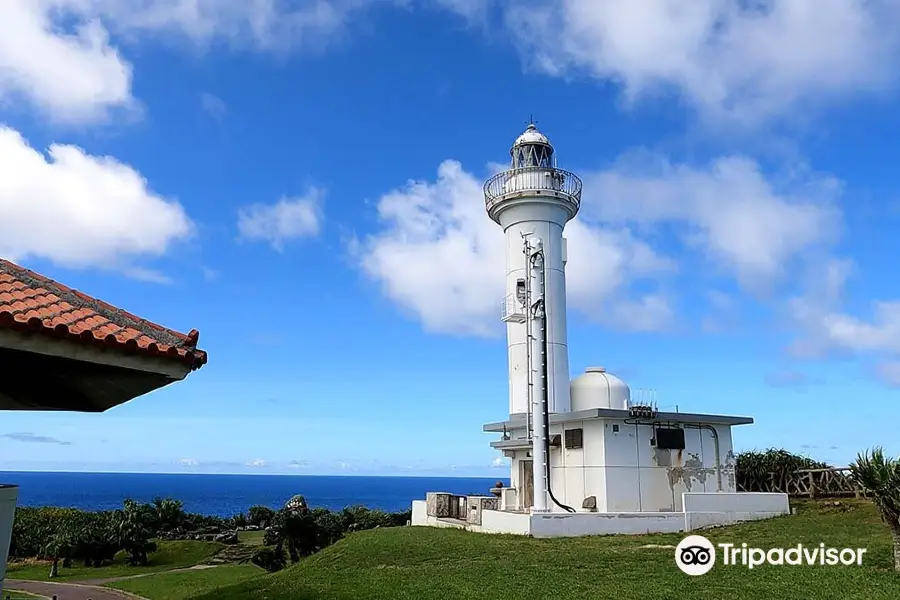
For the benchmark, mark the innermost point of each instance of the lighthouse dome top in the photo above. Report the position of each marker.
(531, 136)
(532, 178)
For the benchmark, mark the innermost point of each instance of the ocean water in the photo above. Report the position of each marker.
(227, 495)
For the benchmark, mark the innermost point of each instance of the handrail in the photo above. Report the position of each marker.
(514, 182)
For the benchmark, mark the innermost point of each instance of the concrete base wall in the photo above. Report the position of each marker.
(702, 510)
(497, 521)
(8, 496)
(583, 524)
(735, 502)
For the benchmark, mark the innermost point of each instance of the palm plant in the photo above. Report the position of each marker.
(168, 514)
(135, 533)
(880, 476)
(58, 547)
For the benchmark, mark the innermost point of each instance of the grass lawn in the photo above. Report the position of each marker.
(251, 538)
(170, 555)
(423, 564)
(187, 584)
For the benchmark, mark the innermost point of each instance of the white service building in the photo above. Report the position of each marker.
(584, 458)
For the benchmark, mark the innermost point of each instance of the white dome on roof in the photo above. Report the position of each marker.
(599, 389)
(531, 136)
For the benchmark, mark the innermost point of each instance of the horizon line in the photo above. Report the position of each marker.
(255, 474)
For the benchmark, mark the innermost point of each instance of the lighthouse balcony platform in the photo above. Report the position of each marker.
(511, 310)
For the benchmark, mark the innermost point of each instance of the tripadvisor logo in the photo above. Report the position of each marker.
(696, 555)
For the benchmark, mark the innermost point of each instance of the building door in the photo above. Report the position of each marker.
(527, 479)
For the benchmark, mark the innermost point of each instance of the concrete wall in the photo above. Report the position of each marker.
(714, 509)
(577, 473)
(626, 473)
(641, 478)
(495, 521)
(737, 502)
(419, 513)
(8, 496)
(583, 524)
(700, 520)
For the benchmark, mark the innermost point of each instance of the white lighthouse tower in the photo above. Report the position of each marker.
(534, 198)
(532, 201)
(584, 459)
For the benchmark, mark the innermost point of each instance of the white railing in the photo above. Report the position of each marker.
(511, 310)
(534, 180)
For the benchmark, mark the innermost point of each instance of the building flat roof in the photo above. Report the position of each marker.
(519, 422)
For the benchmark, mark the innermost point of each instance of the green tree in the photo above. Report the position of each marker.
(134, 526)
(270, 559)
(880, 476)
(261, 516)
(296, 532)
(168, 514)
(329, 525)
(97, 541)
(239, 520)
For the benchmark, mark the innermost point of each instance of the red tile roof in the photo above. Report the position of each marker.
(31, 302)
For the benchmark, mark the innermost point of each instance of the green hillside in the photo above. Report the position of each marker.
(410, 563)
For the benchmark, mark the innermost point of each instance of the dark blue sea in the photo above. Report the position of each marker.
(227, 495)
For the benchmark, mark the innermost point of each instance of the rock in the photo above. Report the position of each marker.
(227, 537)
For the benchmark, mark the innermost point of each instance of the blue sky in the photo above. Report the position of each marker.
(301, 181)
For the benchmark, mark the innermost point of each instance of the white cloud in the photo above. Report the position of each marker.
(838, 331)
(80, 210)
(889, 372)
(265, 24)
(287, 219)
(499, 462)
(214, 106)
(257, 463)
(722, 313)
(473, 10)
(210, 274)
(188, 462)
(441, 258)
(58, 54)
(438, 256)
(72, 76)
(730, 59)
(729, 208)
(825, 328)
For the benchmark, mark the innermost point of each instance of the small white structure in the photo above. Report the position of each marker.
(585, 459)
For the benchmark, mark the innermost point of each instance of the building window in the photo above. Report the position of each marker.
(574, 438)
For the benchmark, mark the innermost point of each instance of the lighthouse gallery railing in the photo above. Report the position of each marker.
(544, 180)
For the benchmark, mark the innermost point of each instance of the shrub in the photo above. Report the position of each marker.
(269, 558)
(261, 516)
(754, 468)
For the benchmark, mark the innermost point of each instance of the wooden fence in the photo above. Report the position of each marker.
(810, 483)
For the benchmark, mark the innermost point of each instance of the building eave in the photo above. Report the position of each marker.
(620, 414)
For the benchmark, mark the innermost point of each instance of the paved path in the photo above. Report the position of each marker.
(68, 591)
(138, 575)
